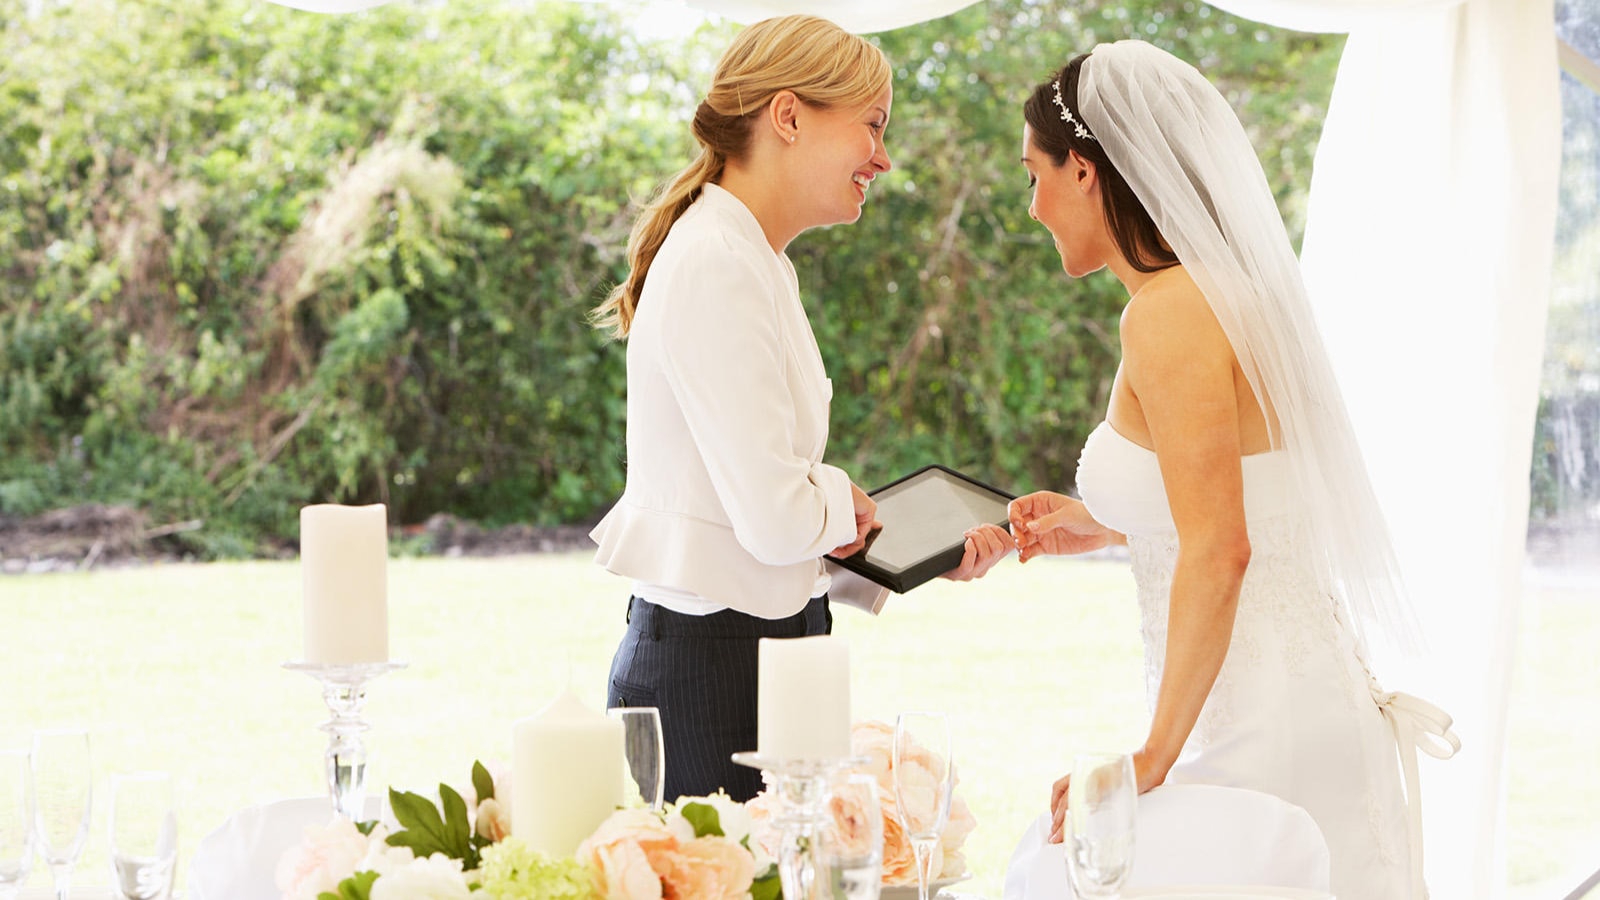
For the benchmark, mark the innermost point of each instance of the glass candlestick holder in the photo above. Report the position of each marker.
(344, 689)
(806, 851)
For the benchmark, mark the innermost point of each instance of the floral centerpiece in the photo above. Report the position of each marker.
(875, 741)
(462, 849)
(706, 848)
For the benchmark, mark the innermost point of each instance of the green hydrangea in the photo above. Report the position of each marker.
(514, 871)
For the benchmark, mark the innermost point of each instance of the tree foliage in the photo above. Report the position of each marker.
(252, 258)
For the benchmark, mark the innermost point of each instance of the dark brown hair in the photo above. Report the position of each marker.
(1131, 227)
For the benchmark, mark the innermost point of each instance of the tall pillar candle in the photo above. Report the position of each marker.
(344, 559)
(568, 772)
(803, 698)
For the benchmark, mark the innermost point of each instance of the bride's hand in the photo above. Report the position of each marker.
(986, 544)
(1147, 772)
(1049, 523)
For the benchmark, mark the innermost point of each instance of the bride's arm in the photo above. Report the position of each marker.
(1180, 369)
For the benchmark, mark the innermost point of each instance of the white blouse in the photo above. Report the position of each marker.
(728, 504)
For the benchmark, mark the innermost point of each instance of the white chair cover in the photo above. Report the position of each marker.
(239, 860)
(1189, 835)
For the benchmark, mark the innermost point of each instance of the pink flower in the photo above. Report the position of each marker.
(875, 741)
(626, 853)
(708, 868)
(493, 820)
(327, 855)
(854, 823)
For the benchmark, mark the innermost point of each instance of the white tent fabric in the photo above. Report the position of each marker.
(855, 15)
(862, 18)
(1428, 254)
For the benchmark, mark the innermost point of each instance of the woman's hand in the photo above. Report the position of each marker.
(1148, 772)
(1049, 523)
(986, 544)
(866, 510)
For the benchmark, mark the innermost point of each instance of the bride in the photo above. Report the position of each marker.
(1227, 465)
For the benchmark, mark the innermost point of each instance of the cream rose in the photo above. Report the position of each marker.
(327, 855)
(437, 877)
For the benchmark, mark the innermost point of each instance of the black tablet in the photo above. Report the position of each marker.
(925, 518)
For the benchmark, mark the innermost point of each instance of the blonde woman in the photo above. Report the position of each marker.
(729, 508)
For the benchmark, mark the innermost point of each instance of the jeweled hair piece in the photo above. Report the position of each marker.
(1078, 128)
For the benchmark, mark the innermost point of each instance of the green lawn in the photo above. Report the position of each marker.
(177, 667)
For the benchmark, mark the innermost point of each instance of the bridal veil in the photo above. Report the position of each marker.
(1182, 150)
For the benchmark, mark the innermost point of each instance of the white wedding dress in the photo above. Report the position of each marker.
(1294, 712)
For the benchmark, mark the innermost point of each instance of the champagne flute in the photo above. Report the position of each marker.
(63, 791)
(144, 836)
(644, 751)
(1101, 803)
(16, 821)
(924, 777)
(856, 840)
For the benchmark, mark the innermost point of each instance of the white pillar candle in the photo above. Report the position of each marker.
(567, 776)
(803, 698)
(344, 558)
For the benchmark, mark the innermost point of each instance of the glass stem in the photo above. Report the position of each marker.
(61, 877)
(923, 848)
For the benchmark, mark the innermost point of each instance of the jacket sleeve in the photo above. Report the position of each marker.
(726, 361)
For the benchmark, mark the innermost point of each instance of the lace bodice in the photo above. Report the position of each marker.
(1293, 702)
(1284, 623)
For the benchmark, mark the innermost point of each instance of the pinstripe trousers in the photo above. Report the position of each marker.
(700, 672)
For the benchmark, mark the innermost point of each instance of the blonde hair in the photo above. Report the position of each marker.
(824, 65)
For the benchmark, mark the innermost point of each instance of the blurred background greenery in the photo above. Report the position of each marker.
(252, 258)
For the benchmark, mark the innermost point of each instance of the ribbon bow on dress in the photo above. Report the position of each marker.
(1418, 725)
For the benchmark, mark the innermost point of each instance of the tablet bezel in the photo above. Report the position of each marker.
(939, 559)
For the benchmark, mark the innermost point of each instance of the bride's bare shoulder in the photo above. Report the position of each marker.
(1170, 309)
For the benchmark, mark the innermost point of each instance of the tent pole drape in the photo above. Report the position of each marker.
(1428, 254)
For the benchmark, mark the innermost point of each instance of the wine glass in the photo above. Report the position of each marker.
(1101, 802)
(144, 836)
(644, 750)
(16, 821)
(856, 840)
(63, 790)
(924, 777)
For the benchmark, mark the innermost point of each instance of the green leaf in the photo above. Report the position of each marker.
(366, 827)
(356, 887)
(704, 818)
(423, 829)
(767, 886)
(481, 782)
(457, 828)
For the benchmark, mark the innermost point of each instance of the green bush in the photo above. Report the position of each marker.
(252, 258)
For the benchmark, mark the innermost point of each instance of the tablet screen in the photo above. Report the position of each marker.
(926, 514)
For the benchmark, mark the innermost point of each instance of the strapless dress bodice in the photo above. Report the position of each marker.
(1121, 485)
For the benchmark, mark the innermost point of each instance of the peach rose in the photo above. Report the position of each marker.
(962, 824)
(626, 853)
(708, 868)
(899, 859)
